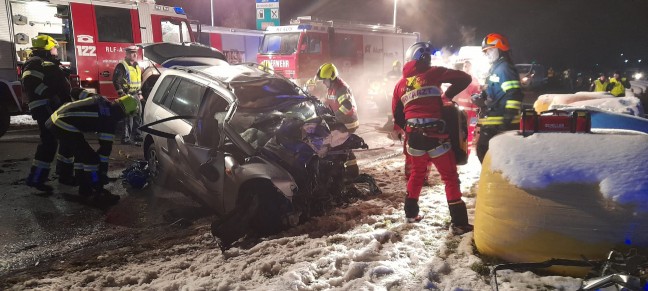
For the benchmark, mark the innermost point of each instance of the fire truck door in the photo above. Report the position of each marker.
(102, 31)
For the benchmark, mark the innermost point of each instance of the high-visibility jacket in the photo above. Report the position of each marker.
(503, 95)
(619, 86)
(600, 86)
(127, 78)
(341, 101)
(45, 83)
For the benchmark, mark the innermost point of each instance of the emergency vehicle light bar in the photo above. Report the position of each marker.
(179, 10)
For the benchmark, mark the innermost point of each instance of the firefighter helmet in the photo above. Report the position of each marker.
(129, 104)
(327, 71)
(266, 66)
(495, 40)
(44, 42)
(420, 51)
(396, 64)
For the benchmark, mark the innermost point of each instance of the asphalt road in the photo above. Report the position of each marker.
(37, 228)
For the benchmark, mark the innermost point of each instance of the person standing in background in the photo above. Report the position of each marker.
(127, 79)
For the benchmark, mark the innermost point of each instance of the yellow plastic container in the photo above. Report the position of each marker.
(566, 221)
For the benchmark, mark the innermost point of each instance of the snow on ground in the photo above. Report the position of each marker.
(365, 246)
(22, 120)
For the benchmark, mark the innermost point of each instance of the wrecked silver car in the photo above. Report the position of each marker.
(249, 145)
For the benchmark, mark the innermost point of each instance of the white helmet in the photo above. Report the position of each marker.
(420, 52)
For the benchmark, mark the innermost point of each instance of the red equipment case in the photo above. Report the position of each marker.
(555, 121)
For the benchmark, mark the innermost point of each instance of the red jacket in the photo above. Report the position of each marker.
(418, 94)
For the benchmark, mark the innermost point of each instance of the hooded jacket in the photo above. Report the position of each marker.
(418, 94)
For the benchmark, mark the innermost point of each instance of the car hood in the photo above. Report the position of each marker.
(167, 52)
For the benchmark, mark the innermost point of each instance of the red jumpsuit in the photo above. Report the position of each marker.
(416, 105)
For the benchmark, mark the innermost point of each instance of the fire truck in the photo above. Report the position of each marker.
(238, 45)
(361, 52)
(92, 36)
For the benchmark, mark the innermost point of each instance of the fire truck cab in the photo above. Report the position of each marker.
(361, 52)
(92, 35)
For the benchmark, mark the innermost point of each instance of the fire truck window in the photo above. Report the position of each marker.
(187, 98)
(280, 43)
(313, 44)
(114, 24)
(175, 31)
(345, 47)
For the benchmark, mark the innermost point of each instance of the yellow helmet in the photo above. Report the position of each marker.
(266, 66)
(44, 42)
(396, 64)
(327, 71)
(129, 104)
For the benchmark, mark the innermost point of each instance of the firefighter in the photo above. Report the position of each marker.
(417, 107)
(618, 85)
(127, 79)
(501, 101)
(94, 114)
(340, 99)
(47, 87)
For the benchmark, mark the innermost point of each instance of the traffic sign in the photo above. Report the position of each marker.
(267, 13)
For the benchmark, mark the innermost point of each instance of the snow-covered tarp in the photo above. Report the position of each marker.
(615, 160)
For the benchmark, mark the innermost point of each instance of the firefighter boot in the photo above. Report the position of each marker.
(37, 177)
(102, 196)
(103, 173)
(412, 210)
(459, 217)
(65, 173)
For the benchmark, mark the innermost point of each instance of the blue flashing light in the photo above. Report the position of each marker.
(437, 53)
(305, 27)
(179, 10)
(628, 241)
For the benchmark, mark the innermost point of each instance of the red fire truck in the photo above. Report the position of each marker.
(92, 35)
(361, 52)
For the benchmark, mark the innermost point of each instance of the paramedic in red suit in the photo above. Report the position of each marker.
(417, 105)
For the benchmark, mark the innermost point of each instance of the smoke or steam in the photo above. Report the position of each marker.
(468, 35)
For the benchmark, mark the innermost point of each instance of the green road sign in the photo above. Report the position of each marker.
(267, 13)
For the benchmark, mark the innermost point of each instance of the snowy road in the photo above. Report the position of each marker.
(137, 245)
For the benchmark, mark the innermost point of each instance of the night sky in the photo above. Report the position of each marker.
(559, 33)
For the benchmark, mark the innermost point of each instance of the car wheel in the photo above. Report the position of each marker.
(4, 120)
(155, 169)
(270, 209)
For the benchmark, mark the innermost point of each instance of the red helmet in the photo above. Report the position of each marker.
(495, 40)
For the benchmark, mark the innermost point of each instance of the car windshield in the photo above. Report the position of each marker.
(263, 104)
(279, 43)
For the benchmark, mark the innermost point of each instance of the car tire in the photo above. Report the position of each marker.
(4, 120)
(156, 172)
(270, 209)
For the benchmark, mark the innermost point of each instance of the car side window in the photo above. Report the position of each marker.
(163, 89)
(187, 97)
(218, 106)
(212, 113)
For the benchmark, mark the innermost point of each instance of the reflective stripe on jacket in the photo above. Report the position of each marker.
(504, 94)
